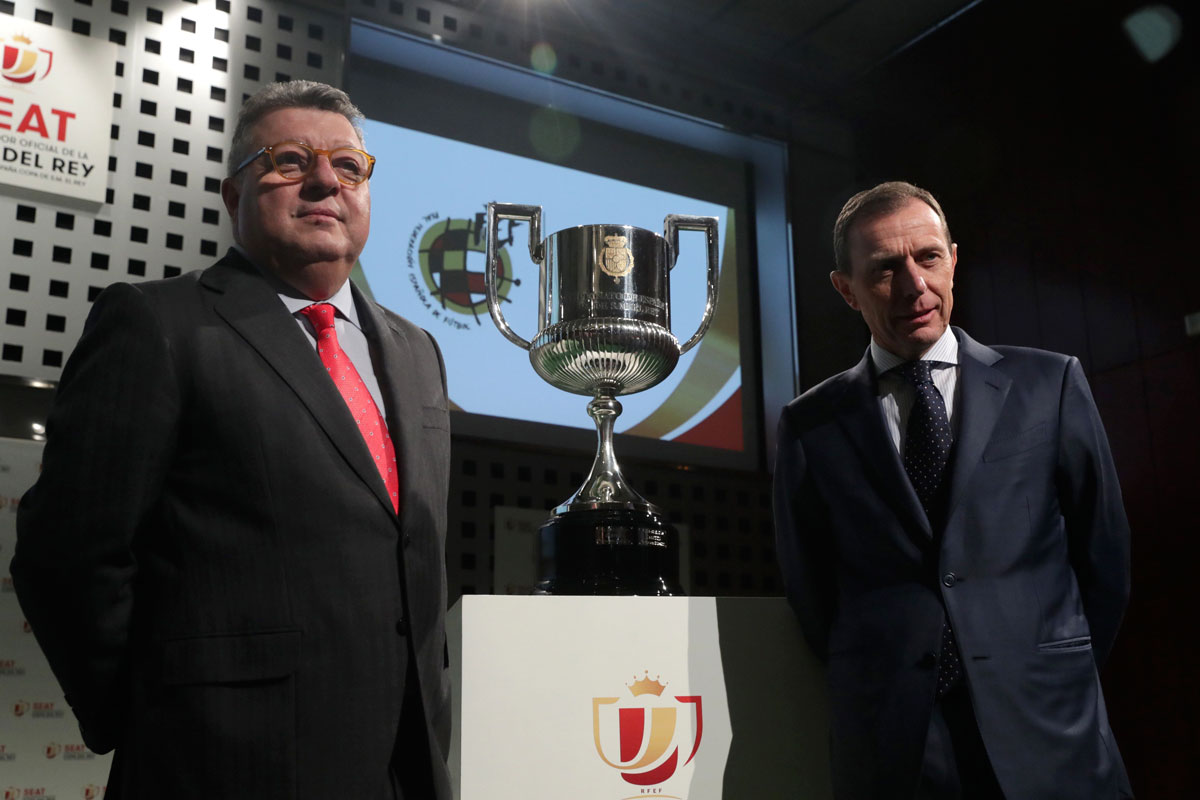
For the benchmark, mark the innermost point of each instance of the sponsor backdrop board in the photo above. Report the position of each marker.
(617, 698)
(41, 752)
(56, 91)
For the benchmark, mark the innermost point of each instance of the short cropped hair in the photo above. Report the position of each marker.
(886, 198)
(291, 94)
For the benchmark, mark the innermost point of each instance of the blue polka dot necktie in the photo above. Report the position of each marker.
(927, 443)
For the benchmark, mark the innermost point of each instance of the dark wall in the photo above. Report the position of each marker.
(1067, 167)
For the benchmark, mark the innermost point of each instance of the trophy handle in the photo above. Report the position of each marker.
(673, 224)
(495, 213)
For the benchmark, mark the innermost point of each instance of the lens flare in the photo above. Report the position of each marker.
(554, 134)
(543, 58)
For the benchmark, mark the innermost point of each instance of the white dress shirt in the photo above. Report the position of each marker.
(345, 324)
(897, 395)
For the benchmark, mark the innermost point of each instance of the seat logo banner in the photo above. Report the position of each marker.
(56, 91)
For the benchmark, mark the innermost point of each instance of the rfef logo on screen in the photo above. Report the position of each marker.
(449, 254)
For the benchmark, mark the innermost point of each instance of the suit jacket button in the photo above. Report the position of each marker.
(928, 660)
(402, 627)
(407, 539)
(949, 579)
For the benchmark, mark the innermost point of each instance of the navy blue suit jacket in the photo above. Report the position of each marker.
(1031, 567)
(210, 559)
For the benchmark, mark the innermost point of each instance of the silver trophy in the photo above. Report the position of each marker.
(604, 330)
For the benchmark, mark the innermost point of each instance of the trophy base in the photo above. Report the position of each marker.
(609, 552)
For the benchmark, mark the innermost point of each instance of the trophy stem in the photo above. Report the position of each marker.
(607, 540)
(605, 486)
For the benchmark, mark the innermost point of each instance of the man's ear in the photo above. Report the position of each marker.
(231, 193)
(841, 282)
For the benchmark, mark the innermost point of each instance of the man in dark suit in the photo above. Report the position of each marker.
(234, 566)
(952, 538)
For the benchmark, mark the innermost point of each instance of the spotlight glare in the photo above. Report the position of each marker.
(1154, 31)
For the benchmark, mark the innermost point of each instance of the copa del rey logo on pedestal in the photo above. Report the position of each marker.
(596, 722)
(650, 734)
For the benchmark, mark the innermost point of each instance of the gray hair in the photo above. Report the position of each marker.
(292, 94)
(886, 198)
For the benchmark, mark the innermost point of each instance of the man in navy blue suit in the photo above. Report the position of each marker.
(952, 538)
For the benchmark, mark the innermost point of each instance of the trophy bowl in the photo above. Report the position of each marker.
(581, 355)
(604, 330)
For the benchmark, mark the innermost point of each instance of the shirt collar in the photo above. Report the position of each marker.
(945, 350)
(342, 300)
(295, 302)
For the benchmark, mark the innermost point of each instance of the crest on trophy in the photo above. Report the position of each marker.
(617, 260)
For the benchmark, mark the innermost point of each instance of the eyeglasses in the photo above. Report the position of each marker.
(294, 161)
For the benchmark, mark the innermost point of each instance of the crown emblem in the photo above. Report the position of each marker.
(22, 60)
(644, 685)
(616, 259)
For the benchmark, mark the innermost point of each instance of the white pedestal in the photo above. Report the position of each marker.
(614, 698)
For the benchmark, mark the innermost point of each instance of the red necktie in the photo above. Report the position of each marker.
(362, 406)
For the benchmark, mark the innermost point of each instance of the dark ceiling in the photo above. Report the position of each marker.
(787, 49)
(782, 69)
(751, 64)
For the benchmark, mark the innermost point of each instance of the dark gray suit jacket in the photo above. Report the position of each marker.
(210, 560)
(1031, 566)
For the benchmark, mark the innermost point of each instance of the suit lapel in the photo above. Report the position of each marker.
(251, 307)
(390, 348)
(982, 392)
(861, 418)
